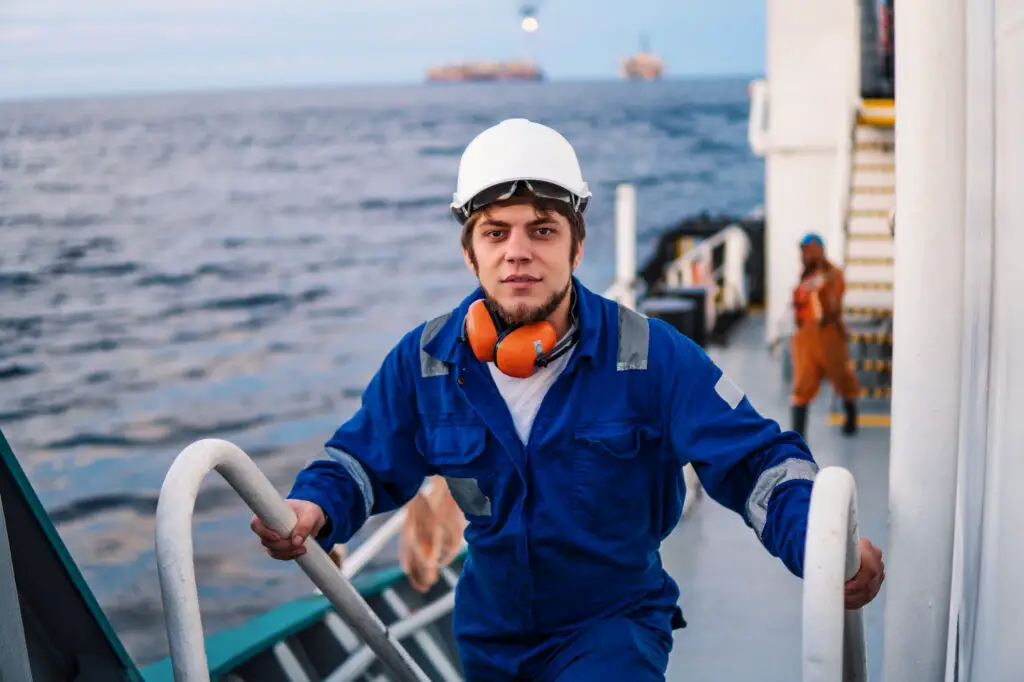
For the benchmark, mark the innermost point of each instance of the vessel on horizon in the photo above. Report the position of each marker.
(643, 65)
(514, 70)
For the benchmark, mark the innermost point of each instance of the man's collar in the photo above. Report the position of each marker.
(449, 342)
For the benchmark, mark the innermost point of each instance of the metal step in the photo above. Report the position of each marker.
(871, 338)
(877, 113)
(856, 272)
(869, 286)
(873, 212)
(882, 168)
(866, 261)
(857, 313)
(871, 365)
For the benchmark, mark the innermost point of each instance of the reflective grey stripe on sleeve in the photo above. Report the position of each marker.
(429, 365)
(790, 470)
(356, 470)
(634, 339)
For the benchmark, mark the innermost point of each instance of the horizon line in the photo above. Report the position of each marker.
(142, 92)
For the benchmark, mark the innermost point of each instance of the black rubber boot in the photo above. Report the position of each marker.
(850, 427)
(800, 420)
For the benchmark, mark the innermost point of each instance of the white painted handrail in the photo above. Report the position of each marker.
(176, 568)
(730, 279)
(833, 637)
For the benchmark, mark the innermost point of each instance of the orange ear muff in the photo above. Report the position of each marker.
(514, 352)
(519, 350)
(481, 331)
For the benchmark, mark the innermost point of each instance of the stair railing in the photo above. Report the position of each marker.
(833, 637)
(176, 568)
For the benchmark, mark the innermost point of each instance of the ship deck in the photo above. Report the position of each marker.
(742, 606)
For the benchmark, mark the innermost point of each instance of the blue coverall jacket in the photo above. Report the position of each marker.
(566, 529)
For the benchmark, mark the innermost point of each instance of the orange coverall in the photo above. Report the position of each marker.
(819, 343)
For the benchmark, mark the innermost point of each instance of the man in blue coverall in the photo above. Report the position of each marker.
(561, 422)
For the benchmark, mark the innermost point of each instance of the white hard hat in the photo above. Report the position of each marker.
(513, 151)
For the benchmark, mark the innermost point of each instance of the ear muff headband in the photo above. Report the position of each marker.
(517, 351)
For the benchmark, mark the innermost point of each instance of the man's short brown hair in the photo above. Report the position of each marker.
(543, 208)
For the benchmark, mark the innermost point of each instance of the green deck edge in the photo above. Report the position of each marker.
(231, 647)
(50, 531)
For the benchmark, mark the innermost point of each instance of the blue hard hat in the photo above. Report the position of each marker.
(812, 238)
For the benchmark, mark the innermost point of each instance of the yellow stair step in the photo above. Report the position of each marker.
(863, 420)
(876, 393)
(871, 337)
(873, 146)
(874, 168)
(869, 286)
(869, 236)
(871, 365)
(869, 213)
(867, 312)
(875, 191)
(877, 113)
(865, 260)
(876, 119)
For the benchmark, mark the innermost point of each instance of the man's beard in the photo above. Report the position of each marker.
(523, 314)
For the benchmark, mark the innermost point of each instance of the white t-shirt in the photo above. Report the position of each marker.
(523, 396)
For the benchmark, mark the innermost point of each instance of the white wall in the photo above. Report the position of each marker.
(813, 66)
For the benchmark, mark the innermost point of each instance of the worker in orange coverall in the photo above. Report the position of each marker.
(819, 342)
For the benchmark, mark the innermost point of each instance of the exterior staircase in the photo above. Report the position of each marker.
(869, 259)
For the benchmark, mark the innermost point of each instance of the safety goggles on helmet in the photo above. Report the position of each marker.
(506, 190)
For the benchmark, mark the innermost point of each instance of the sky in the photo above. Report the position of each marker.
(82, 47)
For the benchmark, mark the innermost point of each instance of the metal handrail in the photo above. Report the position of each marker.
(726, 280)
(833, 637)
(176, 568)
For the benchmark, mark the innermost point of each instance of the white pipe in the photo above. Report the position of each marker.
(833, 637)
(998, 654)
(929, 244)
(625, 243)
(978, 262)
(176, 567)
(757, 123)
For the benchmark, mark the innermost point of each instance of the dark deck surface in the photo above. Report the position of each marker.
(742, 605)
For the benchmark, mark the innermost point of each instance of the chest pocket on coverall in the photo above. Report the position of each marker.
(456, 450)
(612, 476)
